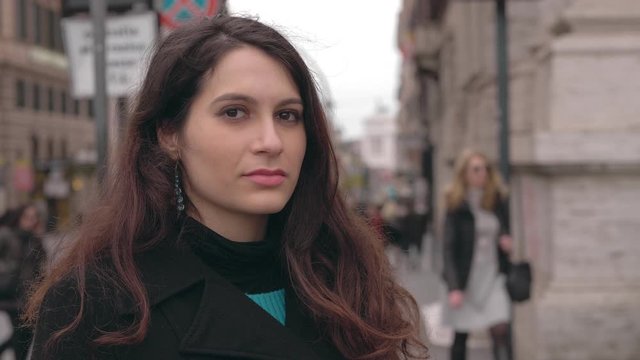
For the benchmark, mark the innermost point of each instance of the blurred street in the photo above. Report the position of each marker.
(543, 93)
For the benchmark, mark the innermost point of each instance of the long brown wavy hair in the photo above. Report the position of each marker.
(457, 190)
(337, 264)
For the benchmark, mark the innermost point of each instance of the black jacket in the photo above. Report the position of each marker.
(459, 241)
(195, 314)
(22, 256)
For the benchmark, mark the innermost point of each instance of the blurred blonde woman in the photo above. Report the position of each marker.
(477, 245)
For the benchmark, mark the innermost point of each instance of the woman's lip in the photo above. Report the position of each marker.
(267, 172)
(267, 180)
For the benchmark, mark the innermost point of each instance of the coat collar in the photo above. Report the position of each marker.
(226, 321)
(168, 269)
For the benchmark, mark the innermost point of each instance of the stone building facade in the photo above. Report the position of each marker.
(575, 152)
(43, 130)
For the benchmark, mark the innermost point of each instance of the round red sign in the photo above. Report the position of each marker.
(176, 12)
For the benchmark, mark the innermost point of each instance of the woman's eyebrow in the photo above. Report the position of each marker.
(234, 96)
(290, 101)
(249, 99)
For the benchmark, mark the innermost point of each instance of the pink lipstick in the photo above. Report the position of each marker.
(266, 177)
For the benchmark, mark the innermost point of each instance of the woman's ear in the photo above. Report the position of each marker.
(168, 140)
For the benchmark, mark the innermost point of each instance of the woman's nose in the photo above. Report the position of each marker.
(268, 139)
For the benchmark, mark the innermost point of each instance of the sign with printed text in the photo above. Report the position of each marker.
(128, 40)
(72, 7)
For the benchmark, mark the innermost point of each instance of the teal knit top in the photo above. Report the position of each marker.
(272, 302)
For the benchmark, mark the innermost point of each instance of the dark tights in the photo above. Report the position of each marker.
(500, 338)
(459, 348)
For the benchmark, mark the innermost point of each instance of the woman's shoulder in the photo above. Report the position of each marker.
(457, 209)
(83, 312)
(95, 298)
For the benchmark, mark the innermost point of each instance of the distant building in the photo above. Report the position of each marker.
(379, 143)
(46, 137)
(380, 153)
(575, 145)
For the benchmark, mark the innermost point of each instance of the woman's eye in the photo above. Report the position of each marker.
(289, 116)
(234, 113)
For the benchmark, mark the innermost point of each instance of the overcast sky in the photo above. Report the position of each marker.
(352, 42)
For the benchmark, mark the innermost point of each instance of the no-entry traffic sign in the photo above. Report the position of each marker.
(175, 12)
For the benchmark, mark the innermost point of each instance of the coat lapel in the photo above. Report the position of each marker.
(300, 323)
(214, 318)
(229, 323)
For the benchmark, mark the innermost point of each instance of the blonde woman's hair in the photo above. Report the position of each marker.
(457, 190)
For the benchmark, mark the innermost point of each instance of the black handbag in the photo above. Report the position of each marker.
(519, 279)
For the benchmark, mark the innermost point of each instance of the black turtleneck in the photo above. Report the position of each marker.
(254, 267)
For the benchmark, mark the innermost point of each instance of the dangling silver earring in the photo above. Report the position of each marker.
(178, 189)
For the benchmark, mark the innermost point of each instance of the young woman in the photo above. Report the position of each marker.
(221, 233)
(476, 248)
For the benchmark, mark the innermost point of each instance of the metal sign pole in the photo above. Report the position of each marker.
(98, 15)
(502, 57)
(502, 53)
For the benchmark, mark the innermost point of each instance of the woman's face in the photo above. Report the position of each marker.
(29, 219)
(476, 172)
(244, 140)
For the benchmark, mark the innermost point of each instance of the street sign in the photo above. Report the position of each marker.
(128, 39)
(176, 12)
(72, 7)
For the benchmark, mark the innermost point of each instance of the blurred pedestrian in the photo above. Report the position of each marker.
(374, 216)
(476, 255)
(22, 257)
(413, 227)
(220, 233)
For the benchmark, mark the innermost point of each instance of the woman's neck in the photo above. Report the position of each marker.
(235, 227)
(474, 195)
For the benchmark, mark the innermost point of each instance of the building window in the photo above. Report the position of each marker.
(21, 20)
(63, 99)
(50, 153)
(36, 97)
(51, 100)
(57, 31)
(35, 148)
(20, 94)
(76, 107)
(50, 34)
(37, 15)
(63, 148)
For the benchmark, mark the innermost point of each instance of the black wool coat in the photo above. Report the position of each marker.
(195, 314)
(459, 243)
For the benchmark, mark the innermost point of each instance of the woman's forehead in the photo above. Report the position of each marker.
(249, 70)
